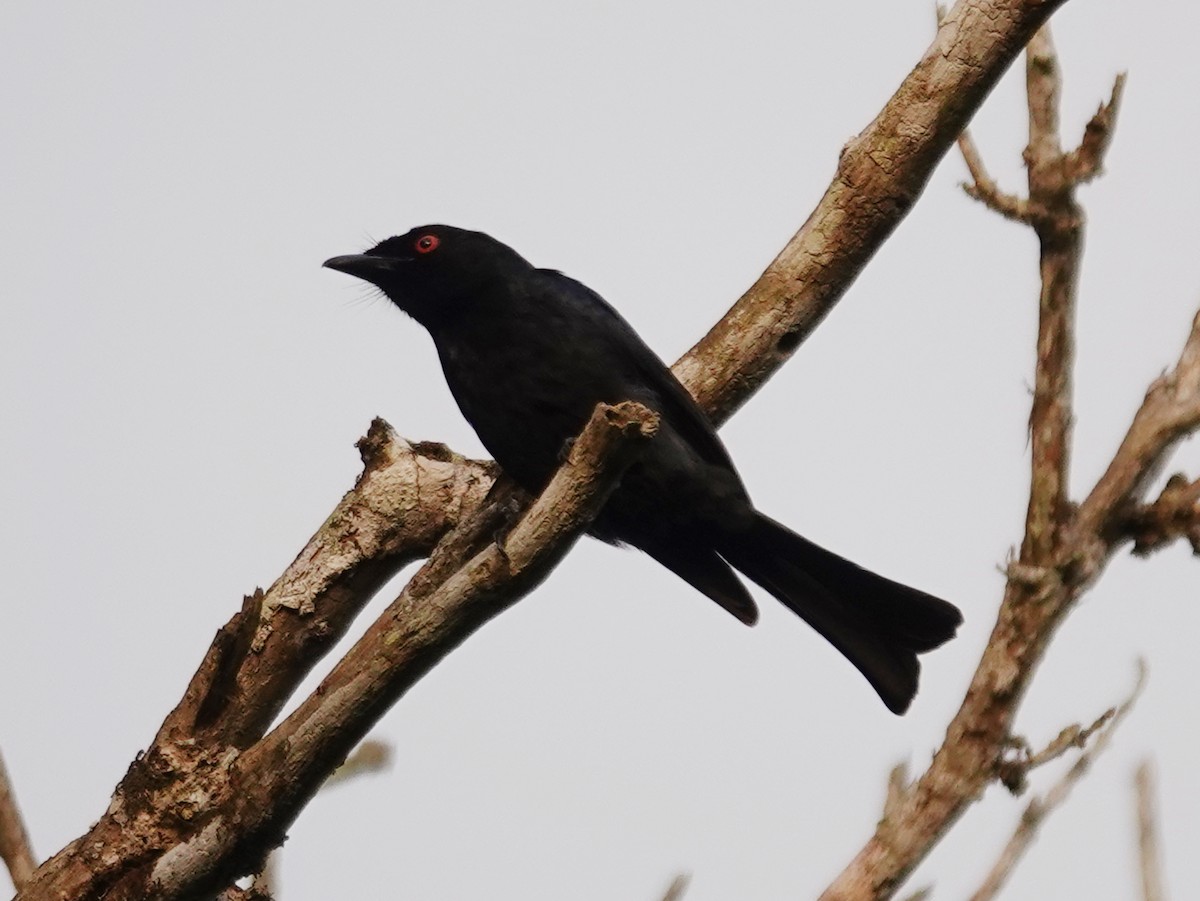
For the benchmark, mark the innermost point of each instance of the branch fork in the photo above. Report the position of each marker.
(200, 808)
(1065, 546)
(169, 835)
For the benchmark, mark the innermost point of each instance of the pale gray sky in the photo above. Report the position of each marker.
(181, 386)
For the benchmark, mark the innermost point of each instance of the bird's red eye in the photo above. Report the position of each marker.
(427, 243)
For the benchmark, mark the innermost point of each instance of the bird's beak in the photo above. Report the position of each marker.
(361, 265)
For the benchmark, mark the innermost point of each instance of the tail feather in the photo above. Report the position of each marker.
(707, 572)
(879, 625)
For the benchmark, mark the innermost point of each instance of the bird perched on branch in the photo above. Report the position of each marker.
(528, 353)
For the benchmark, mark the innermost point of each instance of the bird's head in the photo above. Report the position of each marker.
(434, 270)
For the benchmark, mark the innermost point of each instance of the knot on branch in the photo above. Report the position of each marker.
(632, 418)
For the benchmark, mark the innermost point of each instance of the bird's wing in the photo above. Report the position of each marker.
(667, 397)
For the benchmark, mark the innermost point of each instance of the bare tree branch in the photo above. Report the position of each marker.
(406, 499)
(368, 757)
(255, 892)
(174, 814)
(15, 849)
(1013, 772)
(1175, 514)
(984, 189)
(1149, 858)
(1038, 809)
(677, 887)
(1169, 413)
(1063, 550)
(898, 785)
(1087, 160)
(250, 798)
(1058, 221)
(880, 174)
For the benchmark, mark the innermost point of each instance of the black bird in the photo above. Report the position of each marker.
(528, 353)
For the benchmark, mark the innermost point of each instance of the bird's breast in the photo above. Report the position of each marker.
(523, 410)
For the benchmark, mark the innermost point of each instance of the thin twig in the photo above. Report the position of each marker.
(1013, 773)
(677, 887)
(1149, 858)
(15, 849)
(897, 788)
(1087, 160)
(983, 187)
(372, 756)
(1175, 514)
(1038, 809)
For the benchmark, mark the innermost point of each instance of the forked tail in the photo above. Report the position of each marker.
(880, 625)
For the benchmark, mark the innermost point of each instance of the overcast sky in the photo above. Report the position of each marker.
(181, 386)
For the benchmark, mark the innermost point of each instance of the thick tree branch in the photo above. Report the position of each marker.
(174, 800)
(407, 497)
(15, 849)
(229, 808)
(880, 174)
